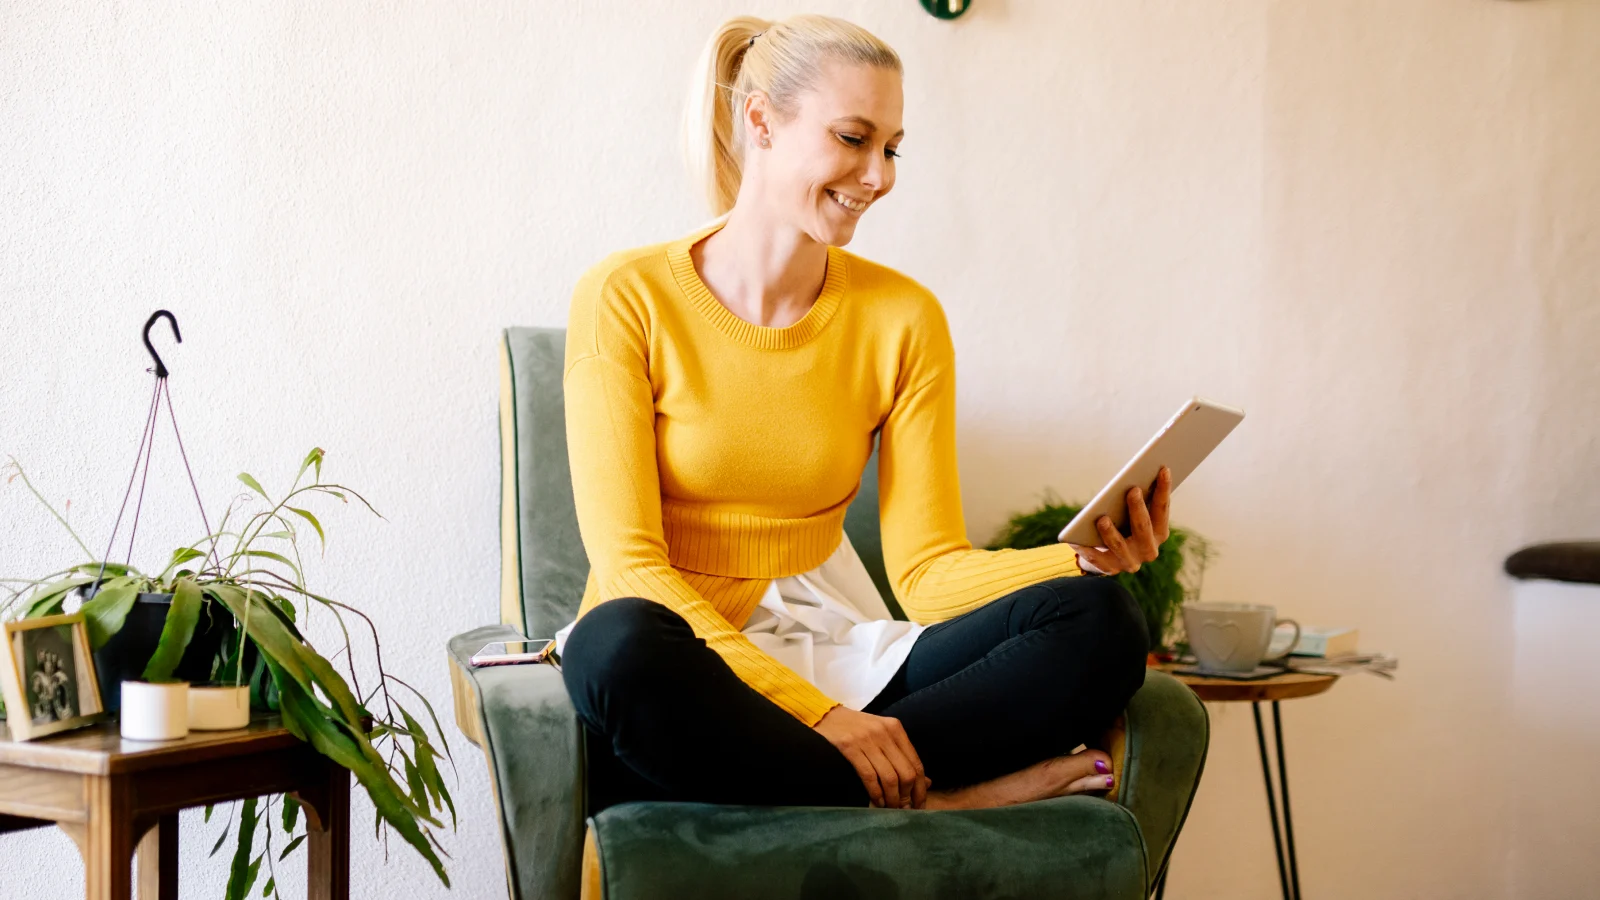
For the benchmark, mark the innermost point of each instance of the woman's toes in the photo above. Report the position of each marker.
(1092, 783)
(1089, 762)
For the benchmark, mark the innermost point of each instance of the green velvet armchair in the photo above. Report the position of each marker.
(520, 716)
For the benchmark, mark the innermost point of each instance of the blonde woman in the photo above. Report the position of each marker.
(722, 395)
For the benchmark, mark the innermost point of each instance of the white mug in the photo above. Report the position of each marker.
(1234, 637)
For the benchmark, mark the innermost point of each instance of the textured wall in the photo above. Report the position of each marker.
(1375, 224)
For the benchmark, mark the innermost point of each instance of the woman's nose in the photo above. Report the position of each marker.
(872, 178)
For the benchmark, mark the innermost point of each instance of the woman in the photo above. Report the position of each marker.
(722, 393)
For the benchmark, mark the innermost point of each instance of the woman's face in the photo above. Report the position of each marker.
(828, 163)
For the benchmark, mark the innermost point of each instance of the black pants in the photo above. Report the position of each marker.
(1029, 676)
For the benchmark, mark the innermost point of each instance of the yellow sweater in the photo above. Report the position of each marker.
(710, 456)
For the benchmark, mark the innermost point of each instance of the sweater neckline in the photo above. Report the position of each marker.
(759, 336)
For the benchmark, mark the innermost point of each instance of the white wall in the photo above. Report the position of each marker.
(1375, 224)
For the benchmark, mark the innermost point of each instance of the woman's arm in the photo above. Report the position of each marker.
(935, 572)
(610, 414)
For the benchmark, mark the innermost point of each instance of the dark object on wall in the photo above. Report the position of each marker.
(1575, 561)
(946, 9)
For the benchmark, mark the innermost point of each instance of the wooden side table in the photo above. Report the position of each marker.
(110, 796)
(1267, 690)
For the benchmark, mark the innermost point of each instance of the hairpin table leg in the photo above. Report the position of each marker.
(1272, 803)
(1283, 790)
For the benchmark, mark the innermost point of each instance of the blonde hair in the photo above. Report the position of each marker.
(748, 54)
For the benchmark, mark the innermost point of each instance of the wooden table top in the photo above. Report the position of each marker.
(100, 749)
(1279, 687)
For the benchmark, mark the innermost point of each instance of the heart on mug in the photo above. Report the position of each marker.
(1212, 634)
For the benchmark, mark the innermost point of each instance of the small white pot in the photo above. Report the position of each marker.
(155, 712)
(219, 707)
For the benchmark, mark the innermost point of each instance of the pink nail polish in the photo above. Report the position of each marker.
(1110, 780)
(1100, 766)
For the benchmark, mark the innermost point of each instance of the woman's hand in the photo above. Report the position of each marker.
(1127, 554)
(882, 755)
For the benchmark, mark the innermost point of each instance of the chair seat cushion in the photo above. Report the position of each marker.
(1077, 847)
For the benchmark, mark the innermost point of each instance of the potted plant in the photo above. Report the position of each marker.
(228, 607)
(1160, 587)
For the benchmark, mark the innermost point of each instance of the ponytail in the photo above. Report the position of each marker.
(747, 54)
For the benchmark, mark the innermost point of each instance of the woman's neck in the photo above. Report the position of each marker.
(765, 273)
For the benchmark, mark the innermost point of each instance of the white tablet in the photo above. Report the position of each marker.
(1188, 437)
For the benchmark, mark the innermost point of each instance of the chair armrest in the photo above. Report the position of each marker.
(1168, 732)
(530, 735)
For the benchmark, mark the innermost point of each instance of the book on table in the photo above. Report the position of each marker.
(1317, 641)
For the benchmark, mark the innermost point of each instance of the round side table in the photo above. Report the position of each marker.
(1272, 690)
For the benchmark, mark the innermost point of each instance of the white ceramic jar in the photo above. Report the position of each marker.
(155, 711)
(219, 707)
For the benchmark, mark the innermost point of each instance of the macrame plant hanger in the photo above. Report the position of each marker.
(141, 460)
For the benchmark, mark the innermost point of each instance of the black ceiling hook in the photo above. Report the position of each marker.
(161, 368)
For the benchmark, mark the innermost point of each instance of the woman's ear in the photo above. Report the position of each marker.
(758, 119)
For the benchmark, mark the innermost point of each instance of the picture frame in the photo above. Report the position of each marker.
(47, 677)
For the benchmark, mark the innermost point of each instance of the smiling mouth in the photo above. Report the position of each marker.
(854, 206)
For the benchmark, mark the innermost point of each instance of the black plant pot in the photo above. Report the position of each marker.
(126, 653)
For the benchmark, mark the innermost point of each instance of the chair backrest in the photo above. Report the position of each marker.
(543, 566)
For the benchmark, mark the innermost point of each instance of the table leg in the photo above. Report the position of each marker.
(328, 838)
(1272, 803)
(1283, 789)
(106, 841)
(158, 861)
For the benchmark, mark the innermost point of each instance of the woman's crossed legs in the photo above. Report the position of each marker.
(991, 701)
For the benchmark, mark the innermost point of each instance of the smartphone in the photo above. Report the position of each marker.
(511, 653)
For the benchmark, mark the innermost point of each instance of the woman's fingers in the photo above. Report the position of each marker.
(888, 778)
(868, 775)
(913, 782)
(1144, 543)
(1161, 504)
(1101, 559)
(880, 751)
(1128, 560)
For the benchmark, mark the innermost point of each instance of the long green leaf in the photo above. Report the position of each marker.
(306, 514)
(340, 746)
(275, 557)
(179, 557)
(48, 599)
(290, 849)
(46, 605)
(177, 632)
(291, 813)
(314, 458)
(440, 795)
(253, 484)
(240, 869)
(105, 612)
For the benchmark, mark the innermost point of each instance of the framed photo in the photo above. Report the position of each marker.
(47, 676)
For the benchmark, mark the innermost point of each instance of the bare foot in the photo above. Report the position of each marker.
(1055, 777)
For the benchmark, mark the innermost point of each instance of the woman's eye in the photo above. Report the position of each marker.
(856, 141)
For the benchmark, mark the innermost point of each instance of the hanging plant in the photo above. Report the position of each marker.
(249, 573)
(247, 578)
